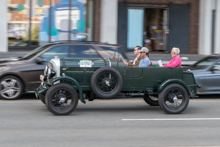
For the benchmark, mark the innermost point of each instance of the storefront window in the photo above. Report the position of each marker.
(37, 22)
(18, 25)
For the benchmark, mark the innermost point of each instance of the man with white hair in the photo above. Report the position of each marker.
(176, 61)
(145, 61)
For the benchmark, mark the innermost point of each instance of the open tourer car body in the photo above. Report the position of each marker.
(67, 79)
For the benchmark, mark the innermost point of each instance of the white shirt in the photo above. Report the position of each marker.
(136, 59)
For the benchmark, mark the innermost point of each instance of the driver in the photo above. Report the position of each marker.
(136, 61)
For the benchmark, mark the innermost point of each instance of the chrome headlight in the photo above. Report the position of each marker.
(45, 70)
(50, 73)
(43, 78)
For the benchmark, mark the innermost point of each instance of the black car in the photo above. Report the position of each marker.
(21, 75)
(207, 74)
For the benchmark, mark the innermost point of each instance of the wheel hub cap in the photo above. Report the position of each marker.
(106, 82)
(175, 99)
(62, 100)
(9, 88)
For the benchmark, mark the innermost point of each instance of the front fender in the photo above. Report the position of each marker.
(70, 81)
(170, 81)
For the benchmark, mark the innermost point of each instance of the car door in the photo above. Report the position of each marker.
(32, 79)
(212, 81)
(209, 80)
(82, 54)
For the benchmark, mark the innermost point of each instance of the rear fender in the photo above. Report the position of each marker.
(70, 81)
(170, 81)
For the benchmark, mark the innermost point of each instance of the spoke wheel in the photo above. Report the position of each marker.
(174, 99)
(106, 82)
(10, 88)
(61, 99)
(152, 100)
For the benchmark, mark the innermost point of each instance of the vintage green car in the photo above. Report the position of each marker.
(66, 80)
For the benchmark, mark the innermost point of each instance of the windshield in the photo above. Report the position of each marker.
(35, 51)
(204, 63)
(109, 52)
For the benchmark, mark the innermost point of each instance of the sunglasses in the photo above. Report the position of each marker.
(142, 52)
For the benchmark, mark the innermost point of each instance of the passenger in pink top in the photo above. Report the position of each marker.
(176, 61)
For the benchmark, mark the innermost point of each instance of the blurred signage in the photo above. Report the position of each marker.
(60, 21)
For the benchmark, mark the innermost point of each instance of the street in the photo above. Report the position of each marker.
(116, 122)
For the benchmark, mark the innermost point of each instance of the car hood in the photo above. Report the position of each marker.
(12, 62)
(6, 60)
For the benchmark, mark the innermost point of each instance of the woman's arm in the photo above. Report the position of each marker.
(173, 63)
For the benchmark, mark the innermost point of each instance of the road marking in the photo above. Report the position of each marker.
(168, 119)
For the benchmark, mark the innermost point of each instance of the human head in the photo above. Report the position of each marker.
(144, 51)
(175, 51)
(137, 50)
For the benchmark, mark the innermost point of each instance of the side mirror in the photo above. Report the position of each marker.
(215, 67)
(40, 60)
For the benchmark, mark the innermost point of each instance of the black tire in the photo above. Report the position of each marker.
(173, 99)
(54, 97)
(42, 98)
(11, 88)
(152, 100)
(106, 82)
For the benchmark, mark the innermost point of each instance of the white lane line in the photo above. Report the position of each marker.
(168, 119)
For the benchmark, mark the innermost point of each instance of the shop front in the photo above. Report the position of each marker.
(157, 26)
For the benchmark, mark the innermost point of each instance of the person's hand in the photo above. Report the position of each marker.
(126, 63)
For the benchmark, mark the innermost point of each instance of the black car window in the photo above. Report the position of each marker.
(109, 52)
(204, 63)
(60, 51)
(35, 52)
(83, 51)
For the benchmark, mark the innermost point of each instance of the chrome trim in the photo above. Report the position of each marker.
(45, 70)
(42, 77)
(48, 73)
(29, 91)
(56, 65)
(110, 64)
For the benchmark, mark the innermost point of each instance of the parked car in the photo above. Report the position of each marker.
(207, 74)
(66, 79)
(25, 43)
(21, 75)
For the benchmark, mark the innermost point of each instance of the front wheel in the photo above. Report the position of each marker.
(61, 99)
(11, 88)
(173, 99)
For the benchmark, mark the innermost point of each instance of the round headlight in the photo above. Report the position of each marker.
(50, 73)
(45, 70)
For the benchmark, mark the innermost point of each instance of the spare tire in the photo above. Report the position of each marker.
(106, 82)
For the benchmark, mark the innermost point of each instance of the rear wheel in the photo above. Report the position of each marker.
(174, 99)
(152, 100)
(61, 99)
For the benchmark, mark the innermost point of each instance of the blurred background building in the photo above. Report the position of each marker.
(191, 25)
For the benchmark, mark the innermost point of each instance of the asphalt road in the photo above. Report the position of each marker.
(107, 123)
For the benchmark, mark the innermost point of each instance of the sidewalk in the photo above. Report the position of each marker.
(154, 56)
